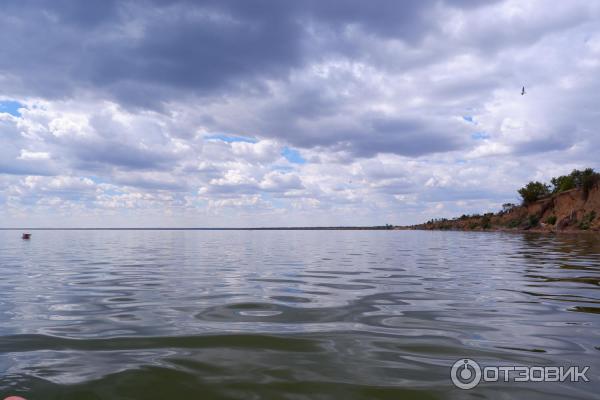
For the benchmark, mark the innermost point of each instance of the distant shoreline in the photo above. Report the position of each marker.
(289, 228)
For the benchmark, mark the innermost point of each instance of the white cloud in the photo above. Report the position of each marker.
(262, 151)
(33, 155)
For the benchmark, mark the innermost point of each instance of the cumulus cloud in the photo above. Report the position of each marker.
(219, 113)
(33, 155)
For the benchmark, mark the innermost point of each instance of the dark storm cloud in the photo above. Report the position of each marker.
(546, 144)
(411, 137)
(11, 167)
(146, 52)
(94, 156)
(151, 184)
(182, 51)
(362, 134)
(85, 14)
(382, 134)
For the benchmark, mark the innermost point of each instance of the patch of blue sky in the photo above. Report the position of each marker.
(480, 136)
(11, 107)
(292, 155)
(96, 179)
(470, 119)
(231, 139)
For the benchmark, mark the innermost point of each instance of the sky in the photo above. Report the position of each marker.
(225, 113)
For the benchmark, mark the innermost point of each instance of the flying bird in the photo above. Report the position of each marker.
(523, 91)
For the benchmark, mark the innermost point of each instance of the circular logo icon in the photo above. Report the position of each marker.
(465, 374)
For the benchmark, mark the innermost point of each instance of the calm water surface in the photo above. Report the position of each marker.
(292, 314)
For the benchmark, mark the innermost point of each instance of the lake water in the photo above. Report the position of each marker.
(293, 314)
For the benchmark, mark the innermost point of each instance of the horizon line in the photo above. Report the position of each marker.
(365, 227)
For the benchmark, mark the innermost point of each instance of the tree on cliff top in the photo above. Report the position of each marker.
(581, 179)
(534, 191)
(564, 182)
(586, 180)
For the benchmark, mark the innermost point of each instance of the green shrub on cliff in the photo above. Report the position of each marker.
(586, 222)
(589, 178)
(486, 222)
(563, 183)
(534, 191)
(551, 220)
(514, 223)
(533, 221)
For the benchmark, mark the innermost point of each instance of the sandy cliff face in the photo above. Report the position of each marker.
(572, 210)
